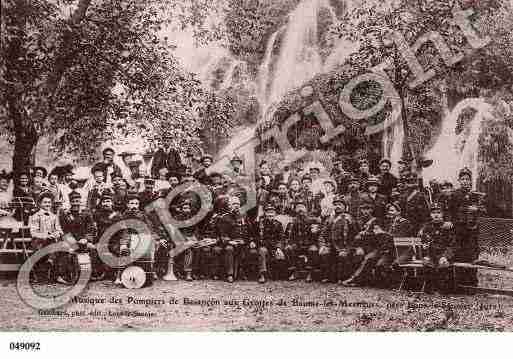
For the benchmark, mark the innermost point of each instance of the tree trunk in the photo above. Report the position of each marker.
(23, 147)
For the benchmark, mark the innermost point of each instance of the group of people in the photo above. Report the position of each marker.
(332, 227)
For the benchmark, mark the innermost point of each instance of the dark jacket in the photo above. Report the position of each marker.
(339, 232)
(269, 233)
(170, 160)
(440, 242)
(415, 208)
(231, 226)
(80, 225)
(299, 233)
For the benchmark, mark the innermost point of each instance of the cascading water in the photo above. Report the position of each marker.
(298, 61)
(453, 151)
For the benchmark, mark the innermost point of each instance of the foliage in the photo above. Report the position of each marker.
(100, 73)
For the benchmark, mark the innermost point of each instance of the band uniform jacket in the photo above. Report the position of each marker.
(378, 202)
(460, 208)
(269, 233)
(79, 224)
(440, 241)
(233, 226)
(415, 208)
(370, 236)
(104, 219)
(339, 232)
(387, 182)
(299, 233)
(353, 201)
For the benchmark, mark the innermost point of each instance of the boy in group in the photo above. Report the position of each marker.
(45, 229)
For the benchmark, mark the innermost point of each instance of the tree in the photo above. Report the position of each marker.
(380, 26)
(100, 72)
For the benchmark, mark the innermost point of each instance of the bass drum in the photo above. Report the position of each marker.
(144, 248)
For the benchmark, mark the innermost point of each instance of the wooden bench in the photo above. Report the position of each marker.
(14, 247)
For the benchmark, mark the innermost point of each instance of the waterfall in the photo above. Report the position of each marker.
(299, 58)
(265, 70)
(452, 151)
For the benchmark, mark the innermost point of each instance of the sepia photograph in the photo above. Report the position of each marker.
(256, 166)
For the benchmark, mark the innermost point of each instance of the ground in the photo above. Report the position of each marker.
(325, 307)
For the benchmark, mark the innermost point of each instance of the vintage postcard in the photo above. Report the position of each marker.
(256, 165)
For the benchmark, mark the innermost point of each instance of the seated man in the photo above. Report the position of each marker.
(234, 232)
(45, 229)
(438, 242)
(269, 244)
(337, 243)
(302, 240)
(79, 227)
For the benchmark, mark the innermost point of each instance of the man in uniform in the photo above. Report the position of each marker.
(104, 216)
(377, 200)
(269, 237)
(438, 243)
(234, 231)
(148, 195)
(465, 208)
(387, 180)
(79, 226)
(302, 240)
(353, 198)
(368, 243)
(414, 203)
(337, 243)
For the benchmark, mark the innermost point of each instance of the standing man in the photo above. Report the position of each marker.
(166, 156)
(353, 198)
(377, 200)
(107, 166)
(387, 180)
(466, 206)
(414, 203)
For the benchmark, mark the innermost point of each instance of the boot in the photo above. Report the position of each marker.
(170, 275)
(229, 279)
(188, 277)
(118, 278)
(261, 278)
(308, 277)
(292, 277)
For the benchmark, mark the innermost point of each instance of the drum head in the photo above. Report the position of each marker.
(133, 277)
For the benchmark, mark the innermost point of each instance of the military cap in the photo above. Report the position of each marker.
(149, 181)
(385, 160)
(315, 168)
(299, 202)
(132, 194)
(435, 206)
(134, 163)
(338, 199)
(74, 195)
(363, 161)
(465, 171)
(269, 207)
(236, 158)
(43, 195)
(395, 205)
(308, 177)
(206, 156)
(372, 180)
(116, 174)
(106, 194)
(215, 174)
(97, 168)
(42, 169)
(5, 175)
(108, 149)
